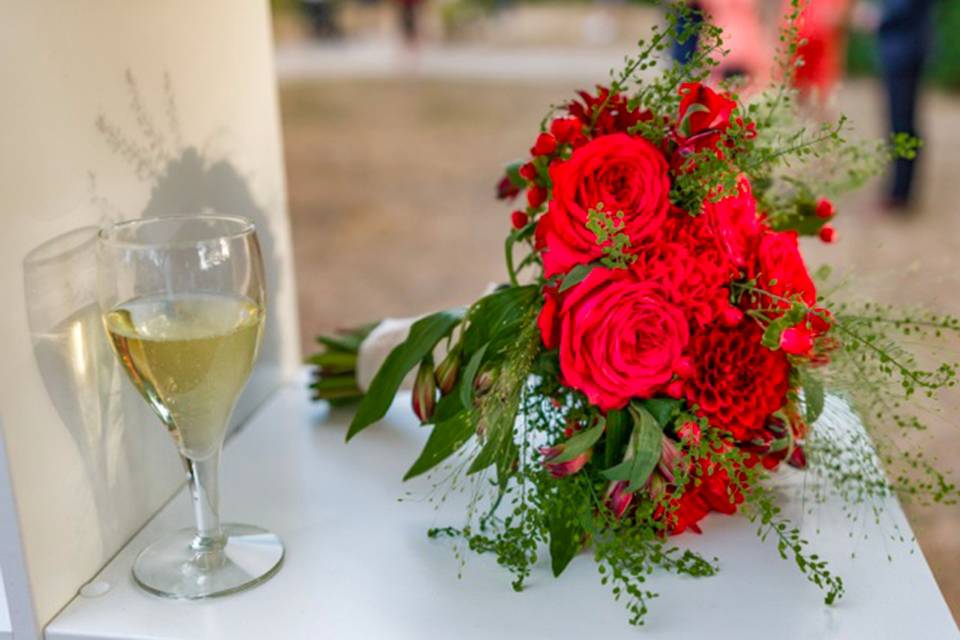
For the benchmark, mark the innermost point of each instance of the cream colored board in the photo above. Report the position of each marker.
(115, 109)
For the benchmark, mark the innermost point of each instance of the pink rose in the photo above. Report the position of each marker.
(619, 338)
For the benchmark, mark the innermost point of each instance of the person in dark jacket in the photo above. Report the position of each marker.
(904, 36)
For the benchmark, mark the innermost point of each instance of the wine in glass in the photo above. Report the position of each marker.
(183, 305)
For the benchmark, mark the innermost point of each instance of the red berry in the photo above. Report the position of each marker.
(528, 172)
(519, 219)
(545, 145)
(536, 196)
(828, 234)
(825, 209)
(796, 341)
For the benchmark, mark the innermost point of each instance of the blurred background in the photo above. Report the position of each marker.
(399, 116)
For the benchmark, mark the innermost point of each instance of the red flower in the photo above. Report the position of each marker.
(563, 469)
(624, 174)
(545, 145)
(536, 196)
(782, 272)
(736, 224)
(618, 498)
(825, 209)
(519, 219)
(797, 341)
(568, 130)
(506, 189)
(828, 234)
(606, 113)
(711, 490)
(547, 321)
(694, 279)
(528, 172)
(702, 119)
(619, 338)
(738, 382)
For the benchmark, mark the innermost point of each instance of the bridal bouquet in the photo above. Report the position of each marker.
(661, 346)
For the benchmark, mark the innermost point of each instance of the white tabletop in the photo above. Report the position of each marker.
(360, 567)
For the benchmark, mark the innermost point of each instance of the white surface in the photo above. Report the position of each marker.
(115, 109)
(360, 567)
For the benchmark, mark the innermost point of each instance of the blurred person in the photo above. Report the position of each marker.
(906, 29)
(821, 33)
(682, 51)
(322, 15)
(410, 21)
(750, 54)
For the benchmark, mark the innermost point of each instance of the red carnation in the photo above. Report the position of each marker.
(738, 382)
(624, 174)
(619, 338)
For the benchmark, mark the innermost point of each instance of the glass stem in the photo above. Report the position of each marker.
(204, 478)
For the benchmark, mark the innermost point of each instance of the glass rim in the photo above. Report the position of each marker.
(106, 233)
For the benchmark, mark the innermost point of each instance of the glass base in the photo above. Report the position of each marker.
(183, 567)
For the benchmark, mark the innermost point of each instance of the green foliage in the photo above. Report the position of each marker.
(608, 229)
(424, 336)
(643, 451)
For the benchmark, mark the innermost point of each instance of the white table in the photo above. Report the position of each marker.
(360, 567)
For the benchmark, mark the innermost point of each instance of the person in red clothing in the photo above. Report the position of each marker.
(822, 33)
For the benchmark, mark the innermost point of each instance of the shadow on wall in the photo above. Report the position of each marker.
(183, 180)
(79, 372)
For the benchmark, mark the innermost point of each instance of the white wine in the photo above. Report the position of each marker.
(189, 356)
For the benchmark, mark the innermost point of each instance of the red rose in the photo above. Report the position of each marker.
(624, 174)
(738, 382)
(546, 144)
(703, 117)
(703, 110)
(782, 272)
(735, 223)
(619, 338)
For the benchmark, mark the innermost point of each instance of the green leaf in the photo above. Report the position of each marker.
(513, 174)
(813, 396)
(469, 374)
(576, 275)
(424, 336)
(615, 442)
(580, 442)
(446, 439)
(773, 332)
(663, 409)
(496, 318)
(566, 539)
(646, 445)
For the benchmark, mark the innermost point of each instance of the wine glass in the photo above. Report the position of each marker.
(182, 299)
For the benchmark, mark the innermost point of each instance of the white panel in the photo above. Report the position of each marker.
(115, 109)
